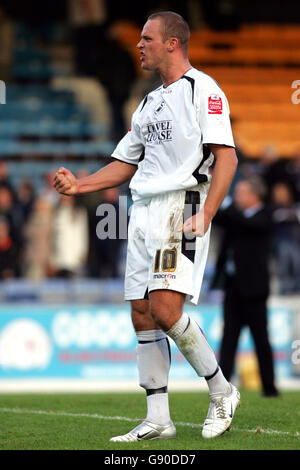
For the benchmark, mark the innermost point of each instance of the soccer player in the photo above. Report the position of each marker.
(176, 132)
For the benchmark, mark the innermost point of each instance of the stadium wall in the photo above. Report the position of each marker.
(92, 348)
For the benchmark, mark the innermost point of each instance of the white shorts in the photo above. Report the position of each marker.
(159, 256)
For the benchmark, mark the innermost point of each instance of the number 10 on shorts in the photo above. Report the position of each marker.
(167, 260)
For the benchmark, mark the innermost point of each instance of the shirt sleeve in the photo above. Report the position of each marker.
(213, 116)
(131, 147)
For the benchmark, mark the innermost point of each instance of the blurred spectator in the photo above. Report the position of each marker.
(108, 251)
(286, 216)
(273, 168)
(6, 44)
(98, 53)
(262, 166)
(111, 58)
(8, 252)
(242, 270)
(26, 197)
(118, 85)
(91, 201)
(269, 166)
(48, 192)
(293, 171)
(221, 15)
(12, 211)
(70, 238)
(86, 18)
(37, 241)
(4, 177)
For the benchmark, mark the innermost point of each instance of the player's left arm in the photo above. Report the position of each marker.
(222, 176)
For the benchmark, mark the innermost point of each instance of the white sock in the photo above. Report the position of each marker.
(218, 385)
(158, 408)
(192, 343)
(153, 359)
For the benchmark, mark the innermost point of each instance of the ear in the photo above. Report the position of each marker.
(173, 44)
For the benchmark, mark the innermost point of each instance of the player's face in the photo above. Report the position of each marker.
(151, 46)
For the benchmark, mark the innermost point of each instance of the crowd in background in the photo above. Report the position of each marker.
(281, 178)
(44, 235)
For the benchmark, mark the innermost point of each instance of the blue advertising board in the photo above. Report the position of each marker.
(98, 342)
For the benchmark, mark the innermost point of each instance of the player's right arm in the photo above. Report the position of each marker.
(114, 174)
(127, 156)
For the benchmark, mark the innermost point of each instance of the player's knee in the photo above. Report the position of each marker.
(162, 319)
(140, 315)
(165, 311)
(139, 308)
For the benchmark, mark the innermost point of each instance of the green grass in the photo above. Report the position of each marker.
(260, 423)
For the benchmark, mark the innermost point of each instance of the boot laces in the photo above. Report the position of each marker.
(220, 408)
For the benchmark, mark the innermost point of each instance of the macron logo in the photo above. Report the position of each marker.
(164, 276)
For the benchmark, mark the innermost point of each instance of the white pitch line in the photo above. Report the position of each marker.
(124, 418)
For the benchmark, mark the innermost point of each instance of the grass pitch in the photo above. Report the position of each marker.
(87, 421)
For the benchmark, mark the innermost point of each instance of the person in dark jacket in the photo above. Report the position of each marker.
(286, 217)
(8, 251)
(242, 271)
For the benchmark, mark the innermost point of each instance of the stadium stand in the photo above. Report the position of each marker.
(54, 117)
(255, 66)
(44, 118)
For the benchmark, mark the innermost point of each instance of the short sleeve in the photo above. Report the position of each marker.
(213, 116)
(131, 147)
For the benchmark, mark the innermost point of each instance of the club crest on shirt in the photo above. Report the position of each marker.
(160, 107)
(215, 105)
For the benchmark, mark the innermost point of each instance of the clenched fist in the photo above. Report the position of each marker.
(65, 182)
(197, 225)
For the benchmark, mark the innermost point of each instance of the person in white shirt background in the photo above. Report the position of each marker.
(242, 272)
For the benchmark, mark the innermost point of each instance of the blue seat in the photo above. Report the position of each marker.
(40, 111)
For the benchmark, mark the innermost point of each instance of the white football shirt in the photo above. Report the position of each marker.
(169, 132)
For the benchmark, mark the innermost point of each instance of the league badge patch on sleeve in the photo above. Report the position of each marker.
(215, 105)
